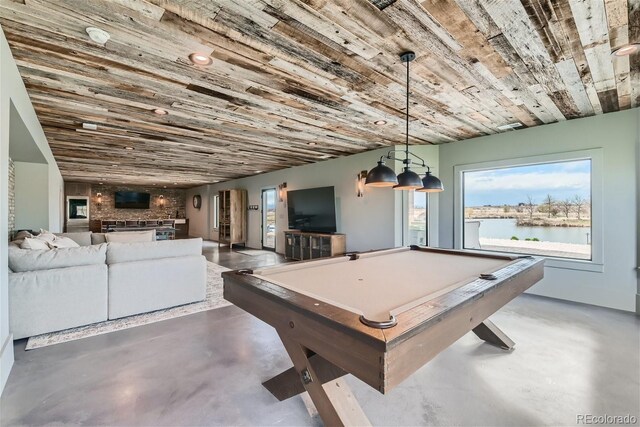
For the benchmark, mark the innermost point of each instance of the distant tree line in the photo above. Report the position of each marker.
(553, 207)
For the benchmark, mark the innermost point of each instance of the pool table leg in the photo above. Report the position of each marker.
(334, 400)
(287, 384)
(489, 332)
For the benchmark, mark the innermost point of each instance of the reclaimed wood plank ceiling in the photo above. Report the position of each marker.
(298, 81)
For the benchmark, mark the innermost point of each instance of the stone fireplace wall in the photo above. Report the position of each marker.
(174, 203)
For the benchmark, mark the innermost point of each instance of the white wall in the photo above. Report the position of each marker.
(32, 196)
(13, 92)
(612, 284)
(199, 219)
(370, 222)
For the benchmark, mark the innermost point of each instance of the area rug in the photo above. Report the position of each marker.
(213, 300)
(254, 252)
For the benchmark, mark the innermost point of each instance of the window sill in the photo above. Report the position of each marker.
(553, 262)
(574, 264)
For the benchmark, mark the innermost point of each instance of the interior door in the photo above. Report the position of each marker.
(269, 219)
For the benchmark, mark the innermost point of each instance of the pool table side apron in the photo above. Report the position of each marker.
(408, 352)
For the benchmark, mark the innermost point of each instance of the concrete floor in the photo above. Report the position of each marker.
(206, 369)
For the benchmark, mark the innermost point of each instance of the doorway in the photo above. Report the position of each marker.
(269, 219)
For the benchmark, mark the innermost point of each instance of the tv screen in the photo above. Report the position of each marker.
(132, 200)
(313, 209)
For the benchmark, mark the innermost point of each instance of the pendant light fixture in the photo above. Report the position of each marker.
(383, 176)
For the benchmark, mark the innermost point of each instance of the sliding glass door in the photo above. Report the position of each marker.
(269, 218)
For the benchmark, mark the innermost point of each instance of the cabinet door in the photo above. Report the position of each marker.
(288, 245)
(297, 249)
(325, 246)
(315, 246)
(305, 246)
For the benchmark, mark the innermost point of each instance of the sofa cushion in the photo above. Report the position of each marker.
(63, 242)
(34, 244)
(97, 238)
(142, 286)
(32, 260)
(127, 252)
(83, 238)
(131, 236)
(47, 301)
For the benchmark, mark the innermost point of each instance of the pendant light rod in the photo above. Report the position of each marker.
(384, 176)
(407, 57)
(406, 142)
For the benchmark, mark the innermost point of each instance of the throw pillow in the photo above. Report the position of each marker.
(46, 237)
(34, 244)
(22, 234)
(17, 242)
(63, 242)
(130, 236)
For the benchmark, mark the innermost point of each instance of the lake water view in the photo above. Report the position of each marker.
(505, 228)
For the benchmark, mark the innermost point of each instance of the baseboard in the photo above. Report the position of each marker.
(6, 361)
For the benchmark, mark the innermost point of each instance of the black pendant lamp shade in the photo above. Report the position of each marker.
(431, 184)
(384, 176)
(381, 176)
(408, 180)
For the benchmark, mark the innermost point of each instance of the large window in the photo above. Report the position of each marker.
(539, 209)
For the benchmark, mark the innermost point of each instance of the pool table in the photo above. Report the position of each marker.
(379, 315)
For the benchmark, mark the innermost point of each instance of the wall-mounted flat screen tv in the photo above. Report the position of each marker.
(313, 209)
(132, 200)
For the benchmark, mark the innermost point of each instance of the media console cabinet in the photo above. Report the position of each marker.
(300, 245)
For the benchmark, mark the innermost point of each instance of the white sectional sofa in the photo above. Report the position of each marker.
(51, 290)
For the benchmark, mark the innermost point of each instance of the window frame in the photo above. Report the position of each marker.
(597, 226)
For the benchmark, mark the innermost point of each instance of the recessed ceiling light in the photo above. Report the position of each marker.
(200, 58)
(97, 35)
(325, 156)
(258, 171)
(380, 122)
(160, 112)
(90, 126)
(626, 50)
(101, 183)
(510, 126)
(216, 181)
(175, 183)
(165, 186)
(128, 147)
(312, 143)
(114, 166)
